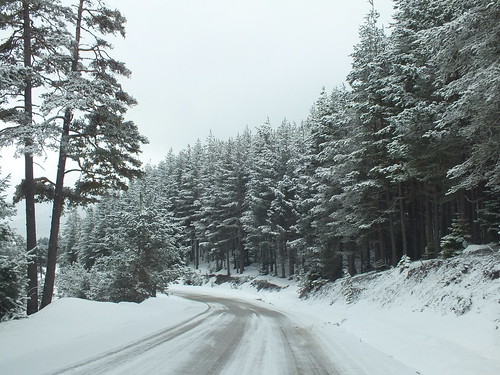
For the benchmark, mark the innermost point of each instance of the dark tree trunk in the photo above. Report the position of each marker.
(437, 220)
(291, 261)
(402, 219)
(351, 260)
(429, 238)
(58, 204)
(394, 249)
(29, 190)
(241, 251)
(381, 242)
(228, 261)
(282, 251)
(196, 254)
(32, 304)
(57, 209)
(274, 261)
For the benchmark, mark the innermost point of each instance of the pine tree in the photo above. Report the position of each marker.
(13, 264)
(465, 51)
(33, 44)
(103, 145)
(134, 248)
(369, 79)
(69, 244)
(457, 239)
(262, 181)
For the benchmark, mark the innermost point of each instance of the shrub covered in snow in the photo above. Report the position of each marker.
(350, 292)
(456, 240)
(73, 281)
(265, 285)
(13, 265)
(404, 263)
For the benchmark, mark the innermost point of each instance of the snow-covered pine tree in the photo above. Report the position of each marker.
(13, 264)
(308, 188)
(465, 50)
(368, 79)
(422, 156)
(261, 183)
(69, 243)
(102, 144)
(326, 257)
(32, 44)
(343, 190)
(241, 165)
(188, 195)
(303, 245)
(211, 213)
(84, 246)
(282, 213)
(136, 248)
(457, 238)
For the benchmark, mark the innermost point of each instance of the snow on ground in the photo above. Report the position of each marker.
(437, 317)
(70, 329)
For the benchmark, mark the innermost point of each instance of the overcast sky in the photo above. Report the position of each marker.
(220, 65)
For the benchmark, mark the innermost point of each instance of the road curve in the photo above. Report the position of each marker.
(230, 337)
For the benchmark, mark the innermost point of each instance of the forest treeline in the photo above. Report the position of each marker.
(403, 162)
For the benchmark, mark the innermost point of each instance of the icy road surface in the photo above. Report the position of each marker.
(231, 336)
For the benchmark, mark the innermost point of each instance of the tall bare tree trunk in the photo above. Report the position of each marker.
(381, 243)
(228, 260)
(241, 250)
(282, 252)
(58, 204)
(29, 190)
(394, 249)
(402, 219)
(291, 261)
(429, 239)
(57, 208)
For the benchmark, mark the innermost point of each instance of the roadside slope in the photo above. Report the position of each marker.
(436, 316)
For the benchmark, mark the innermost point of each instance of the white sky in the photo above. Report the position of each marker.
(220, 65)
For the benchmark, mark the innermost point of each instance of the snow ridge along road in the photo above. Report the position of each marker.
(230, 337)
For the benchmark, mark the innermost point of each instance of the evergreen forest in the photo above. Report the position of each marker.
(403, 162)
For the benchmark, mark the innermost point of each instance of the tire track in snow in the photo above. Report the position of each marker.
(101, 363)
(230, 337)
(304, 355)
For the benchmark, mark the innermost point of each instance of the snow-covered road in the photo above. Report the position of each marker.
(229, 337)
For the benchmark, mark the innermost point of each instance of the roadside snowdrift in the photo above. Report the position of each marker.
(437, 316)
(70, 330)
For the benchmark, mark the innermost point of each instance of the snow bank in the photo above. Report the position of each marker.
(70, 329)
(437, 316)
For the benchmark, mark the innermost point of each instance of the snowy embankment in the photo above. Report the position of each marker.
(70, 330)
(437, 317)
